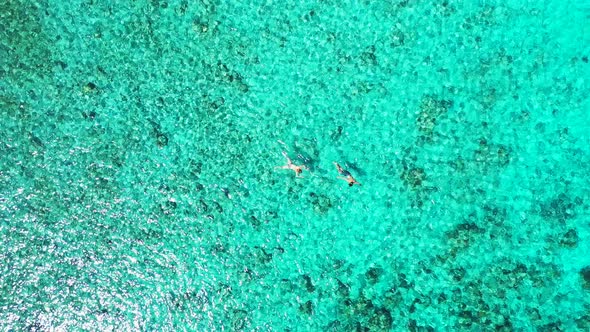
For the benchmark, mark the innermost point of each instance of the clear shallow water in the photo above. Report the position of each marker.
(139, 140)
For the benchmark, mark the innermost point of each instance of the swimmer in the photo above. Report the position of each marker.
(346, 176)
(298, 169)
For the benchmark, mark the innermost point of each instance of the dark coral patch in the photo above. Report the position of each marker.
(585, 275)
(569, 239)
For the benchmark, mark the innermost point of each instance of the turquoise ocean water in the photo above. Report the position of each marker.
(139, 140)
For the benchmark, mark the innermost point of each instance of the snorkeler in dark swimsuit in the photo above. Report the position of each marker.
(346, 176)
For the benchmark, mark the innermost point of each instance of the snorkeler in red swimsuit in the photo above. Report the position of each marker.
(298, 169)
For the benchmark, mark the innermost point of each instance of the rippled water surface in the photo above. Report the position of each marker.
(139, 140)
